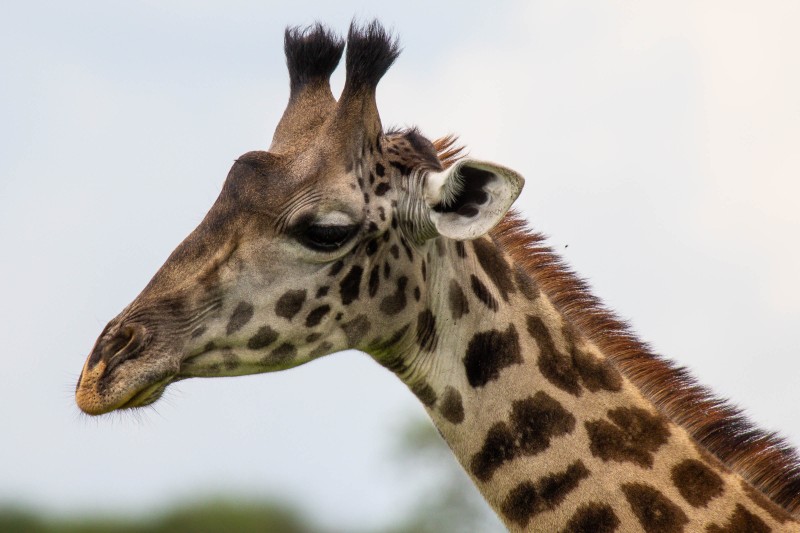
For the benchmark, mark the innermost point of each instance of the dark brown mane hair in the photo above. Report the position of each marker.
(763, 458)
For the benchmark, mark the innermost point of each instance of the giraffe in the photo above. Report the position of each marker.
(346, 236)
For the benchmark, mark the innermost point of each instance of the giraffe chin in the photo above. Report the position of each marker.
(96, 398)
(94, 404)
(147, 396)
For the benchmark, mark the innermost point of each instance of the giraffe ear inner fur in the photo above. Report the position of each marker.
(470, 198)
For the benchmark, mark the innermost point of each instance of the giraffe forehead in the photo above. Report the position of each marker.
(280, 190)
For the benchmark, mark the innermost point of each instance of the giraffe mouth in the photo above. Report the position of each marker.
(148, 395)
(99, 391)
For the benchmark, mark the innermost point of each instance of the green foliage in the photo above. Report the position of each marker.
(214, 516)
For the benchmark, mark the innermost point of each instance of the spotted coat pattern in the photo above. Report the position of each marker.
(318, 246)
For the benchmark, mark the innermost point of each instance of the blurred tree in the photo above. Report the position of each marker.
(19, 519)
(452, 503)
(226, 516)
(212, 516)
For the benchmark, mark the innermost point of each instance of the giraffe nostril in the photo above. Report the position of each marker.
(122, 339)
(123, 344)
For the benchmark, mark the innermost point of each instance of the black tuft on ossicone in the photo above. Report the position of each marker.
(312, 54)
(371, 50)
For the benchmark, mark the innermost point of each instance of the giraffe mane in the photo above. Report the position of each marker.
(448, 150)
(763, 458)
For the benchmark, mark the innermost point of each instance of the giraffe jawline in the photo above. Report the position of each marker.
(148, 395)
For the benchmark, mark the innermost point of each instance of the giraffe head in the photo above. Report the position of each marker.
(318, 245)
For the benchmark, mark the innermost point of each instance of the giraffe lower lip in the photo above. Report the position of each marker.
(148, 395)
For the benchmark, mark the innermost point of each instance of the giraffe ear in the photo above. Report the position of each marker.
(470, 198)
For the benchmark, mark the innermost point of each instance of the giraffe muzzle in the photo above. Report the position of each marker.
(113, 376)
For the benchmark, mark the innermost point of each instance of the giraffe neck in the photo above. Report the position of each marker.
(554, 435)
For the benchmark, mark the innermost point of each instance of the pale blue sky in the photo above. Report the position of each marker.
(659, 143)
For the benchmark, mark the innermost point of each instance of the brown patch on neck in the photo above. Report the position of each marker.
(763, 459)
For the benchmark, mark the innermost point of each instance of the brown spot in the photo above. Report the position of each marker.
(394, 303)
(323, 349)
(461, 250)
(336, 268)
(537, 419)
(240, 316)
(425, 393)
(350, 286)
(634, 436)
(374, 281)
(417, 293)
(741, 521)
(499, 447)
(779, 514)
(387, 270)
(356, 329)
(282, 353)
(313, 337)
(656, 512)
(495, 266)
(556, 367)
(395, 251)
(596, 373)
(198, 331)
(488, 352)
(570, 334)
(407, 248)
(322, 291)
(459, 306)
(440, 248)
(316, 315)
(482, 292)
(290, 303)
(525, 284)
(452, 408)
(592, 517)
(230, 360)
(426, 330)
(263, 338)
(534, 422)
(697, 483)
(529, 499)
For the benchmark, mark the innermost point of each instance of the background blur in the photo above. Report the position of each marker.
(660, 146)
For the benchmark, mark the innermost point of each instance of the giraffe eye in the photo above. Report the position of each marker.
(326, 238)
